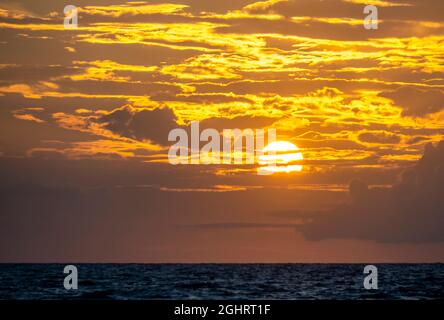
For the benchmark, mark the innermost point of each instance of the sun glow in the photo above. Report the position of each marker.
(280, 156)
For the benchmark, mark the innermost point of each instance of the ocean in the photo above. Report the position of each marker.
(221, 281)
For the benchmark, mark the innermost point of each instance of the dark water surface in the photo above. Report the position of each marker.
(222, 281)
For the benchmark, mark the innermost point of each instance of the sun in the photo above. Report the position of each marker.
(280, 156)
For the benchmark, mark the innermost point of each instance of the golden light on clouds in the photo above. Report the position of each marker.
(342, 93)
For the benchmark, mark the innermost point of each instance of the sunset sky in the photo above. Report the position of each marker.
(85, 116)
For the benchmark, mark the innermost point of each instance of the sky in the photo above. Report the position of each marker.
(85, 116)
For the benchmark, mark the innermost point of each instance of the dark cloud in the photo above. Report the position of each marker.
(417, 139)
(409, 211)
(105, 87)
(153, 125)
(339, 144)
(379, 137)
(417, 102)
(32, 73)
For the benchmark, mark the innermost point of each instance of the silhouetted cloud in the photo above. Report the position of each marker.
(409, 211)
(417, 102)
(379, 137)
(153, 125)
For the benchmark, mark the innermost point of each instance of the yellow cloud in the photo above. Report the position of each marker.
(134, 8)
(105, 70)
(379, 3)
(28, 117)
(347, 21)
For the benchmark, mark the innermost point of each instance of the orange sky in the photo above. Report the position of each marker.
(85, 116)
